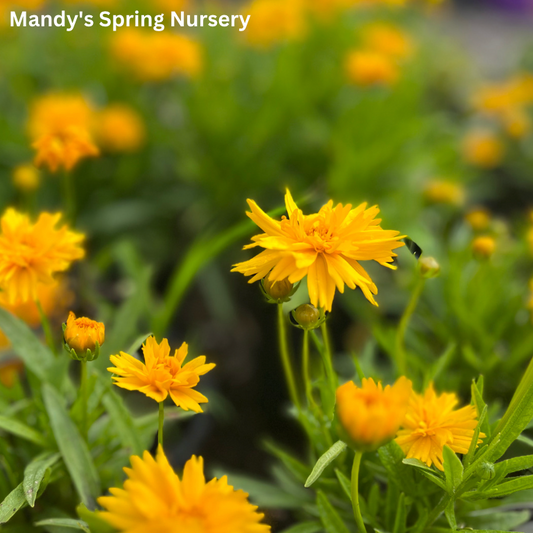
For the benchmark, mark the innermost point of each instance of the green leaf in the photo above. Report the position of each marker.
(26, 345)
(12, 503)
(122, 420)
(21, 430)
(137, 343)
(304, 527)
(298, 469)
(449, 511)
(34, 474)
(401, 516)
(508, 487)
(426, 471)
(474, 442)
(345, 483)
(392, 456)
(324, 461)
(92, 518)
(73, 448)
(453, 470)
(65, 522)
(480, 405)
(501, 520)
(331, 520)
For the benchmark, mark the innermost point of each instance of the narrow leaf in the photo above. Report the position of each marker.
(331, 520)
(73, 448)
(345, 483)
(34, 474)
(453, 470)
(12, 503)
(401, 516)
(324, 461)
(304, 527)
(21, 430)
(65, 522)
(449, 511)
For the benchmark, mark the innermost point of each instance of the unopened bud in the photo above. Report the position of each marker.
(484, 246)
(486, 471)
(307, 316)
(277, 291)
(83, 337)
(429, 268)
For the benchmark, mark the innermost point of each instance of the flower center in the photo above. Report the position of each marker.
(423, 430)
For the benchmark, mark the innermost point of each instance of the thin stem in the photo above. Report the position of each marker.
(161, 422)
(355, 492)
(328, 360)
(84, 400)
(305, 371)
(45, 323)
(401, 356)
(285, 358)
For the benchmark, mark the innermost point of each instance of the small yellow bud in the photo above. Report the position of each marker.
(483, 149)
(444, 192)
(83, 337)
(307, 316)
(26, 178)
(277, 292)
(478, 218)
(429, 268)
(484, 246)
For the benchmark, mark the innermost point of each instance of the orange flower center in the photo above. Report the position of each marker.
(424, 431)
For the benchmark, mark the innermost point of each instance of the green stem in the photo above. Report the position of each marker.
(46, 328)
(328, 360)
(285, 358)
(161, 422)
(355, 492)
(401, 356)
(69, 197)
(84, 400)
(305, 369)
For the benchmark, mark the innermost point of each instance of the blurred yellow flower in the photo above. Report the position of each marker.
(478, 218)
(6, 6)
(31, 254)
(484, 246)
(26, 177)
(516, 123)
(60, 130)
(326, 247)
(371, 415)
(119, 129)
(154, 499)
(432, 423)
(387, 39)
(274, 21)
(83, 334)
(171, 5)
(162, 374)
(368, 67)
(444, 192)
(482, 148)
(153, 56)
(10, 368)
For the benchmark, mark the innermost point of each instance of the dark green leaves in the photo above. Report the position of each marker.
(331, 520)
(14, 501)
(21, 430)
(34, 474)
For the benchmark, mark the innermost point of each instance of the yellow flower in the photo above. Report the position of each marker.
(162, 374)
(154, 499)
(171, 5)
(367, 68)
(517, 123)
(9, 369)
(483, 149)
(83, 334)
(119, 129)
(371, 415)
(444, 192)
(60, 129)
(432, 423)
(31, 254)
(26, 178)
(326, 247)
(153, 56)
(478, 218)
(387, 39)
(484, 246)
(274, 21)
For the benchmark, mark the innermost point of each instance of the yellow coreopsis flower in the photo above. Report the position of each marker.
(327, 247)
(119, 129)
(387, 39)
(154, 499)
(26, 178)
(483, 149)
(84, 336)
(274, 21)
(162, 374)
(153, 56)
(371, 415)
(432, 423)
(484, 246)
(368, 67)
(60, 128)
(31, 254)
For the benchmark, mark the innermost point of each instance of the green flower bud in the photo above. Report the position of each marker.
(429, 268)
(307, 316)
(486, 471)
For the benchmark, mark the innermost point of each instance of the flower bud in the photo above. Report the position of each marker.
(307, 316)
(277, 292)
(429, 268)
(479, 218)
(26, 178)
(83, 337)
(484, 246)
(486, 471)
